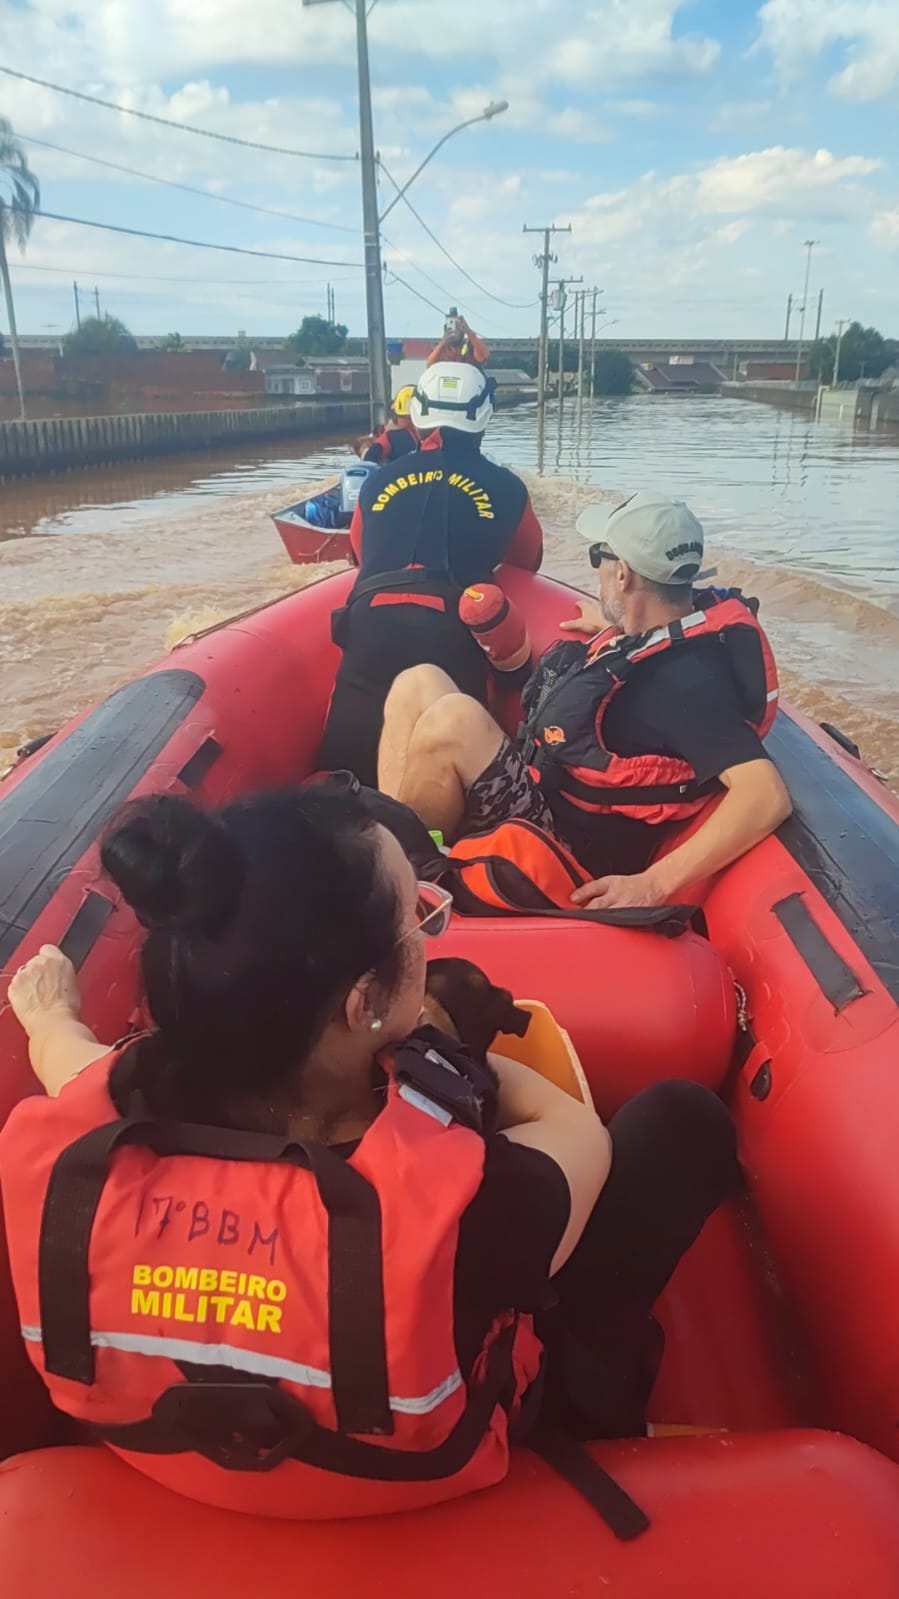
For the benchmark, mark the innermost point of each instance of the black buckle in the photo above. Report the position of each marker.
(240, 1426)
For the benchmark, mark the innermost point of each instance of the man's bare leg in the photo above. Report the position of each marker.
(411, 694)
(452, 741)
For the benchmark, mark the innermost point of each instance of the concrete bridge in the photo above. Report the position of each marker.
(724, 353)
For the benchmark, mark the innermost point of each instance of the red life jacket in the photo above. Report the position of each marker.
(566, 700)
(254, 1321)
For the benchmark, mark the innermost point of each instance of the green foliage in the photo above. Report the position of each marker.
(863, 353)
(317, 336)
(19, 207)
(100, 335)
(240, 359)
(613, 373)
(173, 344)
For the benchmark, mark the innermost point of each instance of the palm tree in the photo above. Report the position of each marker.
(17, 213)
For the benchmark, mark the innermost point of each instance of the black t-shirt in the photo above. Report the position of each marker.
(449, 509)
(507, 1239)
(683, 702)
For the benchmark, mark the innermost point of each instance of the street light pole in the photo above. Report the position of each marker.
(809, 245)
(494, 109)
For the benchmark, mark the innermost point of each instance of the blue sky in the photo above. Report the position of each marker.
(692, 147)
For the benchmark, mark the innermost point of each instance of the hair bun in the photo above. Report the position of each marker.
(177, 867)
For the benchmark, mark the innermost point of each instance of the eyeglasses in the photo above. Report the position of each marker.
(432, 911)
(598, 553)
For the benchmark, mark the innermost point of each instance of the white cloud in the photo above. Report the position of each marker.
(638, 108)
(781, 181)
(884, 229)
(734, 116)
(616, 40)
(798, 32)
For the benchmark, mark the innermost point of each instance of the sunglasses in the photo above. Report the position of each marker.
(598, 554)
(432, 911)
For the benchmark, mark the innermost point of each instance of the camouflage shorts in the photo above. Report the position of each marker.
(506, 789)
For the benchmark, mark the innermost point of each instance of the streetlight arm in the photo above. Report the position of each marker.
(493, 110)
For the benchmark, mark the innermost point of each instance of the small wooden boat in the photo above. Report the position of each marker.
(317, 528)
(779, 1388)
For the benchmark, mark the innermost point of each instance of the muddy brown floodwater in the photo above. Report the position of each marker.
(101, 572)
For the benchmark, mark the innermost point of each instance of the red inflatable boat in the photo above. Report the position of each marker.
(778, 1398)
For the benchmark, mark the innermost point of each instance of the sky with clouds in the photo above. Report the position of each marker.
(692, 145)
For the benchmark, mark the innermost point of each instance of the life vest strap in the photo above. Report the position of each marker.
(570, 1458)
(244, 1425)
(357, 1340)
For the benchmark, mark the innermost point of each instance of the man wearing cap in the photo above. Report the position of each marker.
(663, 711)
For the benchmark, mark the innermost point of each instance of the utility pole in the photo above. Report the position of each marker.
(580, 303)
(820, 309)
(835, 379)
(97, 301)
(808, 245)
(77, 306)
(596, 293)
(562, 285)
(374, 281)
(789, 314)
(543, 261)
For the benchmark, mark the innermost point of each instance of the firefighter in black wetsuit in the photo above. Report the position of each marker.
(426, 527)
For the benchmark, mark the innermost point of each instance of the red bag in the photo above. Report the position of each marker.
(518, 869)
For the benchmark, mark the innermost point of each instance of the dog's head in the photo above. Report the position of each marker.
(461, 1000)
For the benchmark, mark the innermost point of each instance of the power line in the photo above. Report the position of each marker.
(187, 188)
(514, 305)
(167, 122)
(195, 244)
(152, 277)
(441, 310)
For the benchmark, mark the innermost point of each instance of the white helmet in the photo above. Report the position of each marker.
(452, 394)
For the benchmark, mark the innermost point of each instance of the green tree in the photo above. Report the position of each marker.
(18, 209)
(613, 373)
(864, 352)
(173, 344)
(100, 335)
(317, 336)
(240, 359)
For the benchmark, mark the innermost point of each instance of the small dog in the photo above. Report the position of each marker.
(461, 1000)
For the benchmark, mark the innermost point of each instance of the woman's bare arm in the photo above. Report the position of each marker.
(46, 999)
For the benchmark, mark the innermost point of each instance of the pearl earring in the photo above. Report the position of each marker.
(376, 1025)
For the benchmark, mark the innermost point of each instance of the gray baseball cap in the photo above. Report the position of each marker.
(660, 539)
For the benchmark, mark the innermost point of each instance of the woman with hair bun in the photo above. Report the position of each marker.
(283, 1251)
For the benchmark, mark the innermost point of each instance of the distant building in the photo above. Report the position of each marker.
(326, 374)
(681, 375)
(771, 371)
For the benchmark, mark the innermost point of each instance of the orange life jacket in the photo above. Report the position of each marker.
(254, 1321)
(566, 700)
